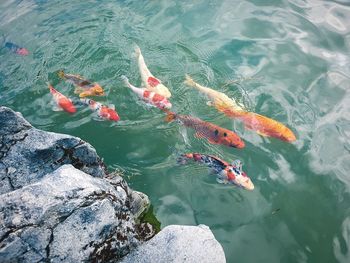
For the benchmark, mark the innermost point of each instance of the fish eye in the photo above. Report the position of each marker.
(225, 134)
(216, 132)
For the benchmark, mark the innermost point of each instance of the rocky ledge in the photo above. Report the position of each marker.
(59, 204)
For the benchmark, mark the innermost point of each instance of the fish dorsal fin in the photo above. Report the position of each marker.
(237, 164)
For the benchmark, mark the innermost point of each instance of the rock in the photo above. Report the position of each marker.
(56, 201)
(58, 204)
(27, 154)
(179, 244)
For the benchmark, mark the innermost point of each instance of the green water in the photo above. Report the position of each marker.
(292, 60)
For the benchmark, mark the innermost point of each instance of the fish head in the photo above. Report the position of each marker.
(236, 176)
(229, 138)
(67, 105)
(165, 104)
(109, 114)
(22, 51)
(288, 136)
(98, 90)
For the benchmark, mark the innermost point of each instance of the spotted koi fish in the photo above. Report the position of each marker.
(17, 49)
(84, 87)
(264, 126)
(253, 121)
(104, 112)
(150, 82)
(149, 97)
(62, 101)
(226, 173)
(213, 133)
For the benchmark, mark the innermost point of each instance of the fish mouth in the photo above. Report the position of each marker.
(239, 145)
(248, 185)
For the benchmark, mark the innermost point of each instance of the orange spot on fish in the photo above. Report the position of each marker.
(153, 81)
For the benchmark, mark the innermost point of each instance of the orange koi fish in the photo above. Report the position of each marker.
(253, 121)
(148, 96)
(213, 133)
(62, 101)
(261, 124)
(84, 87)
(226, 173)
(104, 112)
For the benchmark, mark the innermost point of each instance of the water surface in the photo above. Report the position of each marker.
(291, 60)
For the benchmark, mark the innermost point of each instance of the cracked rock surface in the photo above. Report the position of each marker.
(57, 203)
(179, 244)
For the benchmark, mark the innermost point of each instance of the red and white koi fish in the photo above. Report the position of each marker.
(104, 112)
(213, 133)
(62, 101)
(149, 97)
(83, 87)
(150, 82)
(227, 173)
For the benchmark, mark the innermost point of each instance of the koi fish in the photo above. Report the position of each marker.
(227, 173)
(217, 99)
(17, 49)
(104, 112)
(83, 87)
(150, 82)
(213, 133)
(149, 97)
(62, 101)
(253, 121)
(264, 126)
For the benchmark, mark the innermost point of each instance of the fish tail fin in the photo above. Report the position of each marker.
(189, 81)
(137, 51)
(125, 80)
(60, 73)
(183, 158)
(170, 116)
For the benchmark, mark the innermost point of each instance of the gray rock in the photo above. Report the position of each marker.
(179, 244)
(67, 216)
(27, 154)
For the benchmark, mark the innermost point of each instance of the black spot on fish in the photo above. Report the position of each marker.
(225, 134)
(216, 132)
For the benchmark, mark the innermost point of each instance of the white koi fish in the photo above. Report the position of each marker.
(150, 82)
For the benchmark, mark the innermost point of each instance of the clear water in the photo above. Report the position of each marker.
(292, 60)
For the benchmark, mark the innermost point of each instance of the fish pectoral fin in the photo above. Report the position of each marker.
(212, 141)
(198, 135)
(221, 180)
(261, 133)
(56, 108)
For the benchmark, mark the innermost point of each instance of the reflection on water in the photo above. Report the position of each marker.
(286, 59)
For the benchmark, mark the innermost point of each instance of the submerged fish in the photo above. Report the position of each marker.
(213, 133)
(62, 101)
(261, 124)
(104, 112)
(253, 121)
(17, 49)
(83, 87)
(227, 173)
(149, 97)
(149, 81)
(217, 99)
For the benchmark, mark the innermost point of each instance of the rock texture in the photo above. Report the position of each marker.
(179, 244)
(56, 202)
